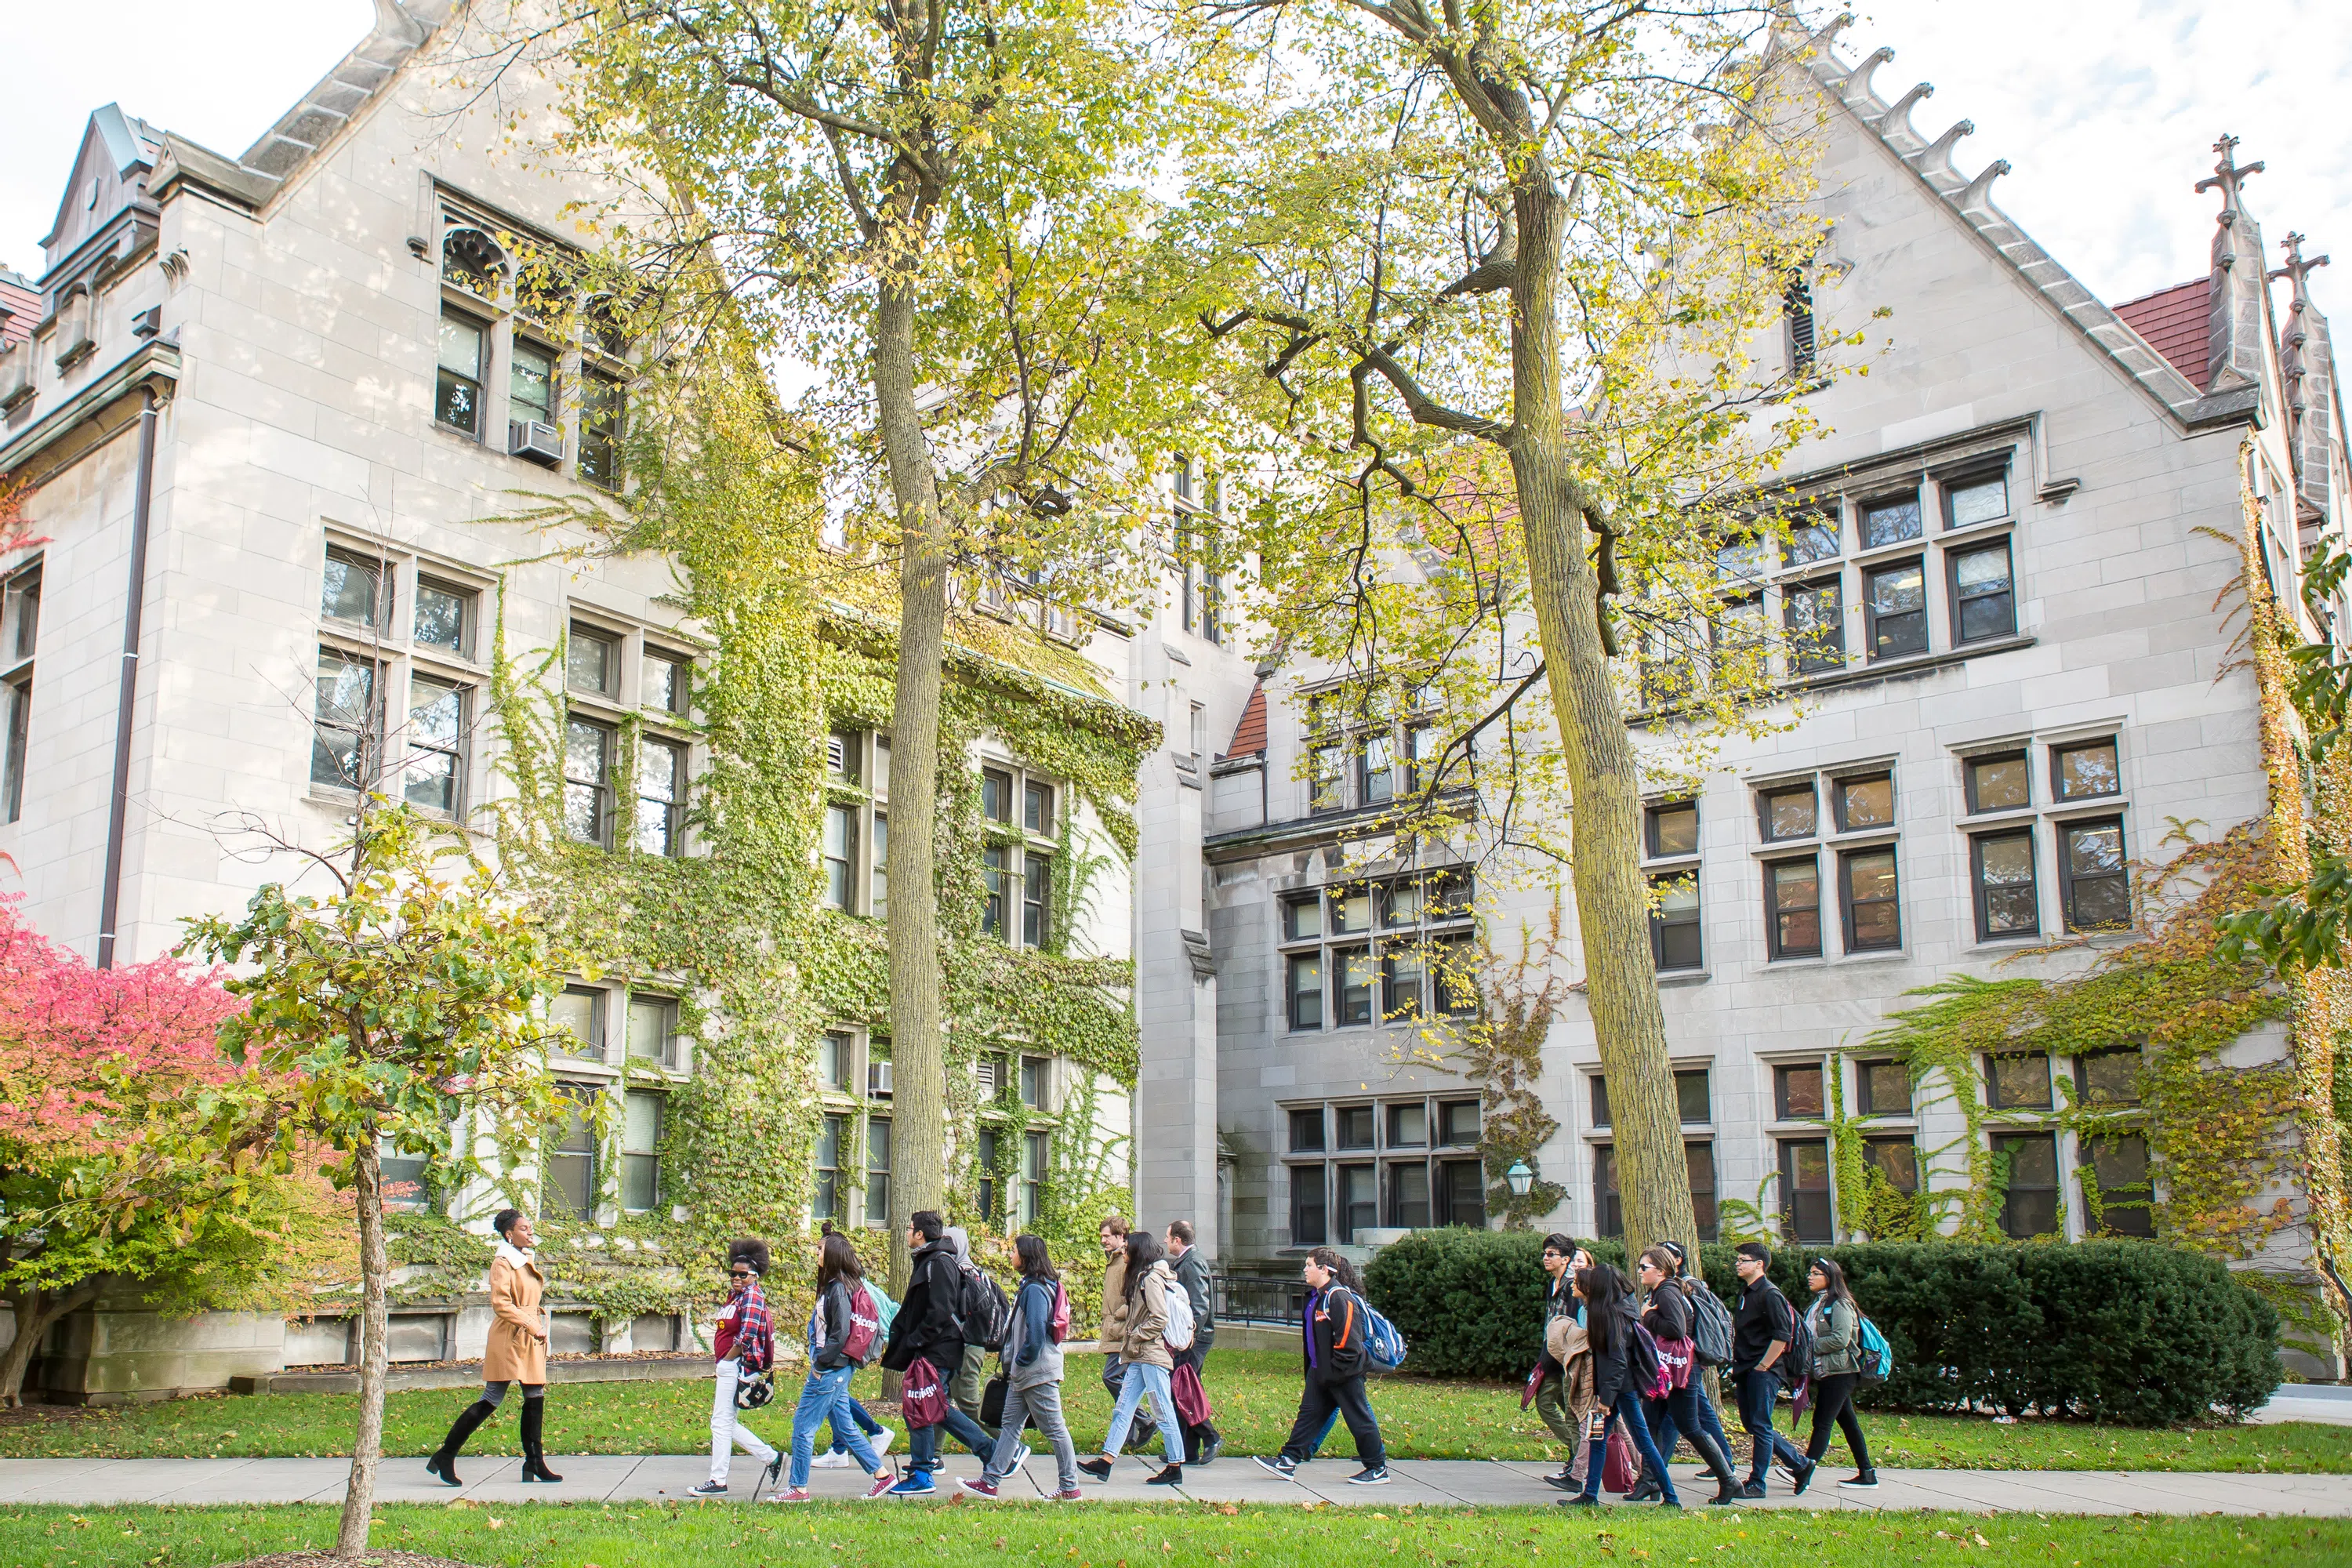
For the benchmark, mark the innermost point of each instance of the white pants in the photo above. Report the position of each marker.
(727, 1433)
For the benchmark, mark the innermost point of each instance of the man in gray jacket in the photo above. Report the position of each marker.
(1202, 1442)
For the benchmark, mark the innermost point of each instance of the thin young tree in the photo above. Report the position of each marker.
(1558, 232)
(405, 1009)
(932, 217)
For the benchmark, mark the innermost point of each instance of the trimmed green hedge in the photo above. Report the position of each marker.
(2116, 1330)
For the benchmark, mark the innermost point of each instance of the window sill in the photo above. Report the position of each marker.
(1678, 977)
(1997, 946)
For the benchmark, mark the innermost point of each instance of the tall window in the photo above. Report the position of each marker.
(669, 682)
(1805, 1189)
(1797, 327)
(602, 403)
(983, 1161)
(2007, 903)
(840, 856)
(1896, 601)
(1873, 920)
(20, 620)
(827, 1204)
(1674, 922)
(343, 745)
(1199, 734)
(433, 776)
(1699, 1160)
(531, 383)
(2028, 1204)
(592, 661)
(2094, 881)
(1793, 895)
(444, 618)
(2117, 1165)
(878, 1172)
(1984, 604)
(641, 1130)
(1036, 1161)
(457, 389)
(856, 845)
(661, 796)
(1816, 617)
(588, 749)
(1017, 864)
(569, 1189)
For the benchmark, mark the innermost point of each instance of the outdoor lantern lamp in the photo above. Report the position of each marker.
(1520, 1177)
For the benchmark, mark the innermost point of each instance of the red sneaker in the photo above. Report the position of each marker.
(882, 1481)
(1071, 1495)
(981, 1487)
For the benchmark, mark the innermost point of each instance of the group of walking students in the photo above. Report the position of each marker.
(1620, 1367)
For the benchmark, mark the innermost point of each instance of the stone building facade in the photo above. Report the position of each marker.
(267, 403)
(2024, 683)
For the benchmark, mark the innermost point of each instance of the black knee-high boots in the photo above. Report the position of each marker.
(534, 1460)
(443, 1464)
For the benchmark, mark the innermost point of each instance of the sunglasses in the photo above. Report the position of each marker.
(738, 1274)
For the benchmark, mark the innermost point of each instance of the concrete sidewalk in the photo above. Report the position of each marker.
(1419, 1482)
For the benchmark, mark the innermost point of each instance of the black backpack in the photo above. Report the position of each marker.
(1800, 1354)
(982, 1306)
(1710, 1324)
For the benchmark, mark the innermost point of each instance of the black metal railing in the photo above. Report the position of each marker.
(1257, 1298)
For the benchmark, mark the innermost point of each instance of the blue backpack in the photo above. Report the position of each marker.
(1877, 1356)
(1383, 1345)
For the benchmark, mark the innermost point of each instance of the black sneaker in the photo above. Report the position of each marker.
(1099, 1468)
(1210, 1453)
(1752, 1490)
(1174, 1475)
(1565, 1480)
(1279, 1464)
(1805, 1478)
(1370, 1475)
(1578, 1500)
(1644, 1491)
(708, 1489)
(1866, 1482)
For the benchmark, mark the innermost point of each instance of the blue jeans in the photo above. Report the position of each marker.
(1757, 1390)
(823, 1395)
(1628, 1409)
(1142, 1378)
(865, 1424)
(923, 1442)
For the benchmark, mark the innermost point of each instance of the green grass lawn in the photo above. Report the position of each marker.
(1256, 1393)
(852, 1535)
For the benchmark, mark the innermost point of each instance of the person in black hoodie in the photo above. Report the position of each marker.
(928, 1327)
(1336, 1359)
(1666, 1313)
(1608, 1324)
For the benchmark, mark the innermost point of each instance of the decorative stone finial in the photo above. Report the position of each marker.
(2296, 269)
(1897, 118)
(1976, 195)
(2226, 173)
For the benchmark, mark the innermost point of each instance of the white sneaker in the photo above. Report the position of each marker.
(882, 1444)
(840, 1461)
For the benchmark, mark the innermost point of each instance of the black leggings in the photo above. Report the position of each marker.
(1833, 1401)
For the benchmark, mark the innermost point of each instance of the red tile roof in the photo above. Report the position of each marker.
(22, 305)
(1249, 735)
(2176, 322)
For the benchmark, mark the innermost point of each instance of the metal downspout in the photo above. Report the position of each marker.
(133, 609)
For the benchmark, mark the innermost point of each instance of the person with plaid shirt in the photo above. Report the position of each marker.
(746, 1346)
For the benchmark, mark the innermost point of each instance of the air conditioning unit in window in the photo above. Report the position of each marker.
(877, 1080)
(536, 440)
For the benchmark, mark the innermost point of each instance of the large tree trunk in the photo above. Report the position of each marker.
(35, 1311)
(918, 1097)
(1611, 898)
(375, 1270)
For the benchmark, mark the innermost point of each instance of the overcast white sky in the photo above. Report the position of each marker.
(2105, 109)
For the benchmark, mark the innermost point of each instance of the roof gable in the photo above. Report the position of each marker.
(1969, 199)
(115, 154)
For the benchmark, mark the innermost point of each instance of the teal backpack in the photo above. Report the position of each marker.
(1877, 1356)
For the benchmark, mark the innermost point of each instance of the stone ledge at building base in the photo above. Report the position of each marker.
(663, 1368)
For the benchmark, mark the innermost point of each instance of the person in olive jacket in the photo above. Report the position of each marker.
(1836, 1326)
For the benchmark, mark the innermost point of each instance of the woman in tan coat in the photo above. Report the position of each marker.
(1145, 1359)
(517, 1353)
